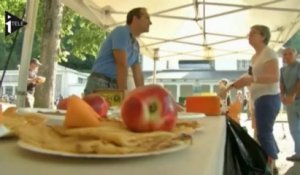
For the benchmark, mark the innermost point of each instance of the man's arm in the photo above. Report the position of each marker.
(137, 75)
(290, 98)
(296, 89)
(121, 68)
(283, 97)
(282, 88)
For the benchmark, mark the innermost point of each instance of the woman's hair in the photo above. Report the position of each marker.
(263, 31)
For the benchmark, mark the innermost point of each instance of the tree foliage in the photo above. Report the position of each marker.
(294, 42)
(16, 7)
(80, 38)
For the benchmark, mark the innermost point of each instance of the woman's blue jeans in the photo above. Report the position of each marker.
(266, 110)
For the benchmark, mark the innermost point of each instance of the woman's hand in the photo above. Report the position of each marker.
(180, 108)
(245, 80)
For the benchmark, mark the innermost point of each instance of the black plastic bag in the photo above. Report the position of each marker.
(243, 155)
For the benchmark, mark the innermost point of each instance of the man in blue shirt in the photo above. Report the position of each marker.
(290, 96)
(119, 52)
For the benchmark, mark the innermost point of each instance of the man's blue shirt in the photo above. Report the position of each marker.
(120, 38)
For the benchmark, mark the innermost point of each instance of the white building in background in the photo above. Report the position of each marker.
(192, 77)
(180, 81)
(68, 82)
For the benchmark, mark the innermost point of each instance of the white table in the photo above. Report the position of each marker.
(204, 157)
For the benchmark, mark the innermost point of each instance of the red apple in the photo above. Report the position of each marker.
(149, 108)
(98, 103)
(62, 104)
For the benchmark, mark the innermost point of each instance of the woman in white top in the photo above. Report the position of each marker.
(263, 80)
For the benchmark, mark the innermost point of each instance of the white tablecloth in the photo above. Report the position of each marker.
(204, 157)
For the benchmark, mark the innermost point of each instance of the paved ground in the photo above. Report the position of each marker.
(285, 143)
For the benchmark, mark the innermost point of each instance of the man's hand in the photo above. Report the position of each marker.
(39, 80)
(288, 99)
(179, 108)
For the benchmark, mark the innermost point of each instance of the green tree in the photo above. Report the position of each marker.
(16, 7)
(75, 33)
(77, 39)
(80, 35)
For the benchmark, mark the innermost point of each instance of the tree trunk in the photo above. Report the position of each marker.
(44, 95)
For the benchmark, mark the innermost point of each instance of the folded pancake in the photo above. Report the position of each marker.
(14, 121)
(187, 127)
(43, 136)
(109, 138)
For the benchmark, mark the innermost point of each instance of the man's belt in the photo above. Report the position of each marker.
(101, 76)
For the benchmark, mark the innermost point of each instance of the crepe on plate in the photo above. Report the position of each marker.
(13, 121)
(111, 137)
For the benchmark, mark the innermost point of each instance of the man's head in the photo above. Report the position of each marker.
(35, 61)
(139, 20)
(289, 55)
(34, 64)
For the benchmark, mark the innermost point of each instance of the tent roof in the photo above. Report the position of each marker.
(198, 29)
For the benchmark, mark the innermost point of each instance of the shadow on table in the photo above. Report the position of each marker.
(294, 170)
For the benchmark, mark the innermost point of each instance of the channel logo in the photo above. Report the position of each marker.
(12, 23)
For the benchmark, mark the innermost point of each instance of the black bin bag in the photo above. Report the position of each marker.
(243, 155)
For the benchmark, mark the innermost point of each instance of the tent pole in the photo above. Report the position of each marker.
(155, 58)
(30, 18)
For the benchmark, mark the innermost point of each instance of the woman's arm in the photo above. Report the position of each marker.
(270, 73)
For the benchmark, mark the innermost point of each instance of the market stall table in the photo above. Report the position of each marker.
(204, 157)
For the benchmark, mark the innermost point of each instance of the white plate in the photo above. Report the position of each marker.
(190, 115)
(36, 149)
(52, 118)
(4, 131)
(199, 129)
(180, 115)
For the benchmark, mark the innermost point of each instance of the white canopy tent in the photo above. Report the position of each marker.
(208, 29)
(183, 29)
